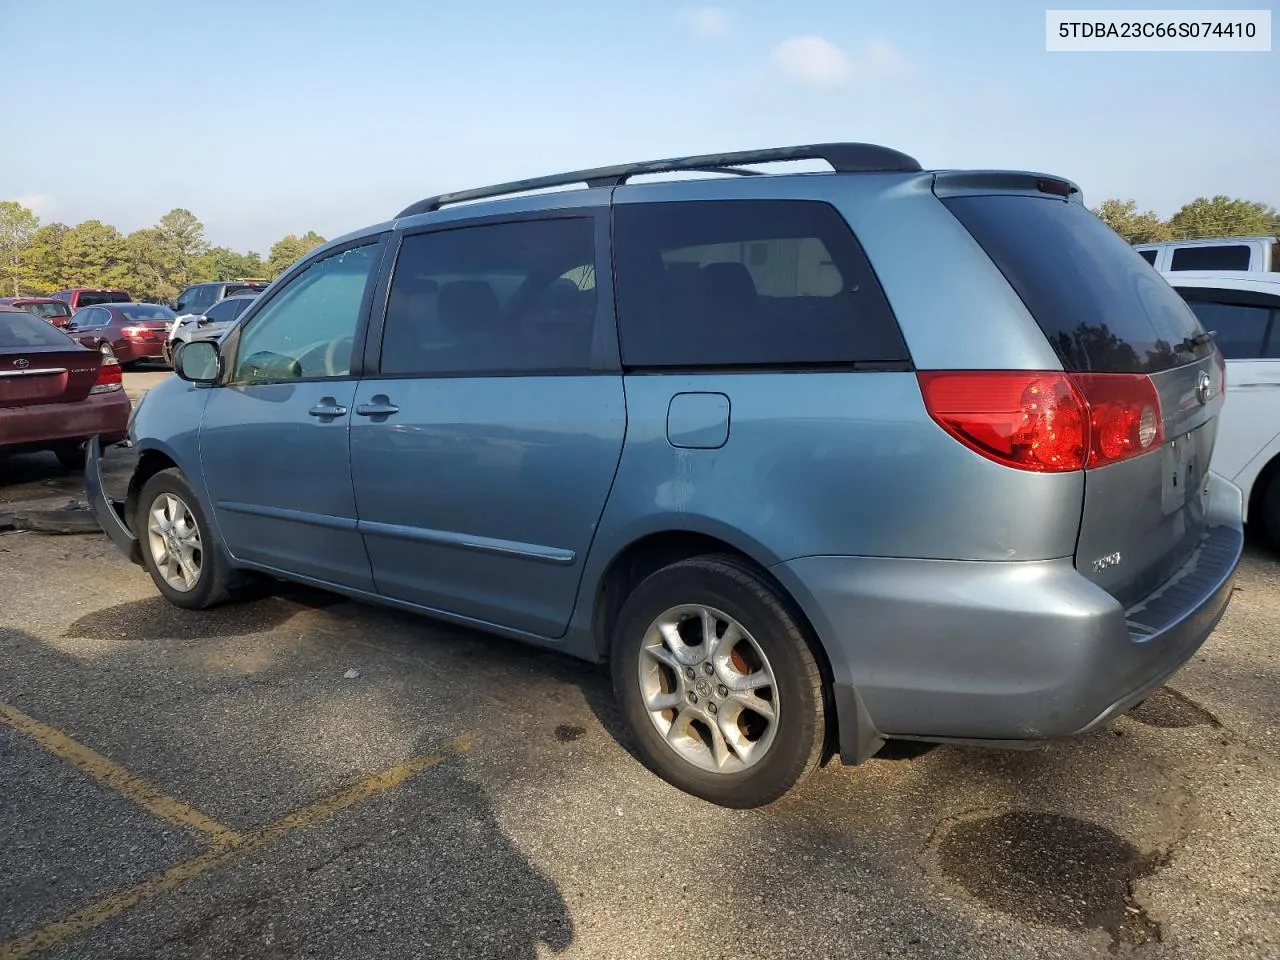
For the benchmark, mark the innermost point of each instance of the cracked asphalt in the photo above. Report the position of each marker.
(497, 812)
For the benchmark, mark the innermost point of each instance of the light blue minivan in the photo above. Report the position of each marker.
(813, 459)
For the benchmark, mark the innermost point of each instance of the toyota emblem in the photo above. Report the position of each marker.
(22, 363)
(1204, 387)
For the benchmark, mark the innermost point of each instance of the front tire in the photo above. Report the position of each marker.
(177, 545)
(717, 683)
(1271, 510)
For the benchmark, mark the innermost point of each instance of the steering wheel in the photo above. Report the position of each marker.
(331, 354)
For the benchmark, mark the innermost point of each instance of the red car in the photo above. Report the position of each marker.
(47, 308)
(136, 331)
(55, 393)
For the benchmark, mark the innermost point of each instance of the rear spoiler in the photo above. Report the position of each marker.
(960, 183)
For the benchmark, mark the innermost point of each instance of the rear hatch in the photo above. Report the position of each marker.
(1106, 312)
(38, 364)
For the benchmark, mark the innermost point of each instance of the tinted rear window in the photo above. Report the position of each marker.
(19, 330)
(146, 311)
(747, 283)
(1149, 256)
(1221, 257)
(96, 297)
(234, 288)
(1101, 306)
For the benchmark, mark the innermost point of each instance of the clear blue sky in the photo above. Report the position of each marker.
(265, 118)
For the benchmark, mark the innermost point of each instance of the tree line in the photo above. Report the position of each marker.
(153, 263)
(1219, 216)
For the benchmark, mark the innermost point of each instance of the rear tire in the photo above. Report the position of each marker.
(70, 455)
(1271, 510)
(178, 548)
(738, 721)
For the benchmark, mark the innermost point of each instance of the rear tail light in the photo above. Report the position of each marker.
(110, 378)
(1046, 421)
(131, 331)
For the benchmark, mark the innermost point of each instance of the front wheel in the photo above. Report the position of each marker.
(717, 683)
(1271, 510)
(176, 546)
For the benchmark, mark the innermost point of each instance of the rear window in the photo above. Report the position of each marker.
(234, 288)
(19, 330)
(1100, 305)
(1149, 256)
(745, 283)
(47, 310)
(89, 299)
(1233, 256)
(146, 311)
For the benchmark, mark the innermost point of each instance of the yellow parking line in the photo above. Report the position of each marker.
(116, 903)
(111, 774)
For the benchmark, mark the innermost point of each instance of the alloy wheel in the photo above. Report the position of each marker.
(708, 688)
(174, 539)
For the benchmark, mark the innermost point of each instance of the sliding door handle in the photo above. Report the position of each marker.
(379, 405)
(327, 409)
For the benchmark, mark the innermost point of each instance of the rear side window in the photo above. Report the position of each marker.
(20, 329)
(1233, 256)
(1149, 256)
(225, 311)
(500, 298)
(89, 298)
(1240, 331)
(747, 283)
(1101, 307)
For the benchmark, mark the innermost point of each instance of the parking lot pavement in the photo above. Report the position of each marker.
(211, 785)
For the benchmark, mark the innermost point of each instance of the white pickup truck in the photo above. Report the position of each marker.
(1254, 254)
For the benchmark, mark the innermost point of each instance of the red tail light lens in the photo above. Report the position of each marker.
(110, 377)
(1046, 421)
(1124, 415)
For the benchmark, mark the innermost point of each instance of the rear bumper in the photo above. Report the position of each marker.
(109, 513)
(1004, 653)
(50, 424)
(130, 350)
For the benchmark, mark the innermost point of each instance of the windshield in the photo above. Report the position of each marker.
(19, 330)
(146, 311)
(90, 298)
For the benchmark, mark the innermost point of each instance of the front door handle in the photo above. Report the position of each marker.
(327, 409)
(379, 405)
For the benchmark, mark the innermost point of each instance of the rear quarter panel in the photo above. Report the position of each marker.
(846, 464)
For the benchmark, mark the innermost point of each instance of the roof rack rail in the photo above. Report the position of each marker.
(843, 157)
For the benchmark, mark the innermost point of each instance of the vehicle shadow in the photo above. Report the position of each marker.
(419, 869)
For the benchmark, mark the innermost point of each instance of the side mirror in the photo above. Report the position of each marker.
(197, 361)
(72, 325)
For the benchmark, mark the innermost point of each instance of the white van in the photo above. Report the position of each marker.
(1254, 254)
